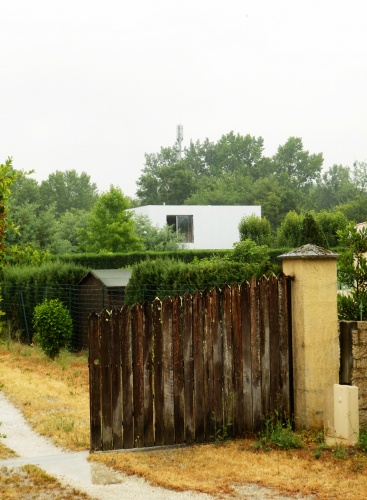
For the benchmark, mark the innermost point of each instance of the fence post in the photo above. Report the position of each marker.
(315, 335)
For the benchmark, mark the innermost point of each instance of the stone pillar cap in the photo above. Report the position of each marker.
(309, 252)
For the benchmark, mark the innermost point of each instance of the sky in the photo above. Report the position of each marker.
(93, 85)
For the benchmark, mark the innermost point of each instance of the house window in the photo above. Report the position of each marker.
(183, 224)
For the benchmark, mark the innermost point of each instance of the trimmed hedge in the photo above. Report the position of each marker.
(162, 277)
(121, 260)
(24, 287)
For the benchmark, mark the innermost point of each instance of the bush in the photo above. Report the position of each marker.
(53, 326)
(163, 277)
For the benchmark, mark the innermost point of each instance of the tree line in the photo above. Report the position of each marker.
(235, 171)
(66, 214)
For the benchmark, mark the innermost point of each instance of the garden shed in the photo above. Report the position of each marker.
(99, 289)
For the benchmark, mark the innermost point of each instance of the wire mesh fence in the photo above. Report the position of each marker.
(19, 302)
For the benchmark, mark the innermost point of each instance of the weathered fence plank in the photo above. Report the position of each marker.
(168, 401)
(216, 334)
(178, 371)
(199, 404)
(246, 356)
(105, 346)
(274, 344)
(264, 345)
(158, 374)
(255, 355)
(208, 365)
(148, 376)
(188, 369)
(127, 378)
(138, 373)
(227, 358)
(238, 409)
(116, 388)
(95, 384)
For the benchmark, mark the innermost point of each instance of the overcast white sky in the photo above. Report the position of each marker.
(92, 85)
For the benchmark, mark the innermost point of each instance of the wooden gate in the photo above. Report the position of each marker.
(182, 369)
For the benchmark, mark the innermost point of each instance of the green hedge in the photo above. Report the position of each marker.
(24, 287)
(121, 260)
(162, 277)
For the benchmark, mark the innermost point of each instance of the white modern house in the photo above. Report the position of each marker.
(206, 227)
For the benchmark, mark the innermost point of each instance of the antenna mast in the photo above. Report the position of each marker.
(179, 139)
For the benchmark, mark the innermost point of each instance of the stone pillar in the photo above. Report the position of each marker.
(315, 334)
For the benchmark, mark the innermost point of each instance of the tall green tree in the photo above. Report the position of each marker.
(335, 188)
(165, 179)
(255, 228)
(8, 177)
(352, 271)
(155, 238)
(331, 223)
(110, 227)
(296, 165)
(290, 230)
(68, 190)
(311, 232)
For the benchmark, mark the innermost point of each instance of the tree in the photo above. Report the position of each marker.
(68, 190)
(69, 226)
(110, 227)
(360, 175)
(311, 232)
(33, 227)
(352, 271)
(335, 188)
(24, 190)
(330, 224)
(155, 238)
(8, 176)
(251, 253)
(256, 229)
(289, 232)
(165, 179)
(298, 166)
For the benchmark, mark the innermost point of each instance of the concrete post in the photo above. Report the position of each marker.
(314, 330)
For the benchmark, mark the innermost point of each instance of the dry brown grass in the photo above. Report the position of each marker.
(53, 396)
(5, 452)
(218, 469)
(30, 482)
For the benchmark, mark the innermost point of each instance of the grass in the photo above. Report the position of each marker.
(29, 482)
(53, 395)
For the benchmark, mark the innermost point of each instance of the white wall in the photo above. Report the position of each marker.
(215, 227)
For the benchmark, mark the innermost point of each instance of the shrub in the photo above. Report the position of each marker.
(53, 326)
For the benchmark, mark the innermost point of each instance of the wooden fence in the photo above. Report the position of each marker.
(182, 370)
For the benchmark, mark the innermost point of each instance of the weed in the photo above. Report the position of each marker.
(221, 431)
(278, 433)
(362, 440)
(64, 424)
(137, 442)
(340, 452)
